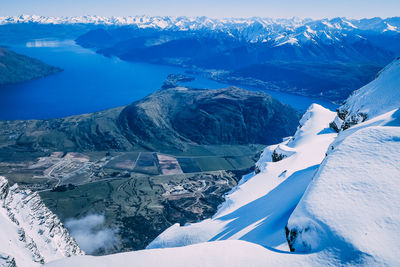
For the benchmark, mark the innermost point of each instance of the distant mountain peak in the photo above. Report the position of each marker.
(254, 29)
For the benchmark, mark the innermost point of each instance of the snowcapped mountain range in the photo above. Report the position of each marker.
(329, 196)
(293, 31)
(329, 193)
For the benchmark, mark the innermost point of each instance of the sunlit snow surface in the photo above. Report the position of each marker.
(349, 214)
(258, 209)
(379, 96)
(353, 203)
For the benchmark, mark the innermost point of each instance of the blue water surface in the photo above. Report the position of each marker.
(91, 82)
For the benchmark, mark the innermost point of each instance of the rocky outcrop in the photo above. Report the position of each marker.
(303, 237)
(345, 120)
(40, 231)
(277, 156)
(7, 260)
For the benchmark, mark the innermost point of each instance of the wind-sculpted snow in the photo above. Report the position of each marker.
(29, 232)
(232, 253)
(258, 209)
(344, 211)
(353, 202)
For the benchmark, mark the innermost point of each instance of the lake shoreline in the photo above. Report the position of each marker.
(92, 82)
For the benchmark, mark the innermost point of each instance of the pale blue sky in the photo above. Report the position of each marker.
(211, 8)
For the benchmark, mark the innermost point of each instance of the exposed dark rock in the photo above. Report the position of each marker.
(7, 260)
(277, 157)
(292, 239)
(349, 119)
(353, 120)
(334, 126)
(342, 113)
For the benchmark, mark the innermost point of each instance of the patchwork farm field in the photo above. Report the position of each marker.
(142, 206)
(140, 193)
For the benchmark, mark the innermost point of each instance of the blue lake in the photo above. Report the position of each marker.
(91, 82)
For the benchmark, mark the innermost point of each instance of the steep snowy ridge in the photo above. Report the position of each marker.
(294, 31)
(376, 98)
(256, 210)
(352, 203)
(30, 233)
(344, 211)
(361, 173)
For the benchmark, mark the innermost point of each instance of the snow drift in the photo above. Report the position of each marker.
(353, 203)
(258, 209)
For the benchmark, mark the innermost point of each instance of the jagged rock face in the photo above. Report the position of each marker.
(7, 260)
(277, 157)
(336, 124)
(226, 116)
(345, 120)
(39, 232)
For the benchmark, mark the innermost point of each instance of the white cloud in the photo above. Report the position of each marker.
(90, 234)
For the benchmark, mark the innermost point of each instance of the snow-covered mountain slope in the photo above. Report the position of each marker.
(292, 31)
(376, 98)
(30, 234)
(258, 209)
(353, 200)
(349, 214)
(353, 203)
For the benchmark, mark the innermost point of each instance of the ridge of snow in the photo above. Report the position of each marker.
(232, 253)
(364, 233)
(376, 98)
(333, 198)
(361, 174)
(245, 214)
